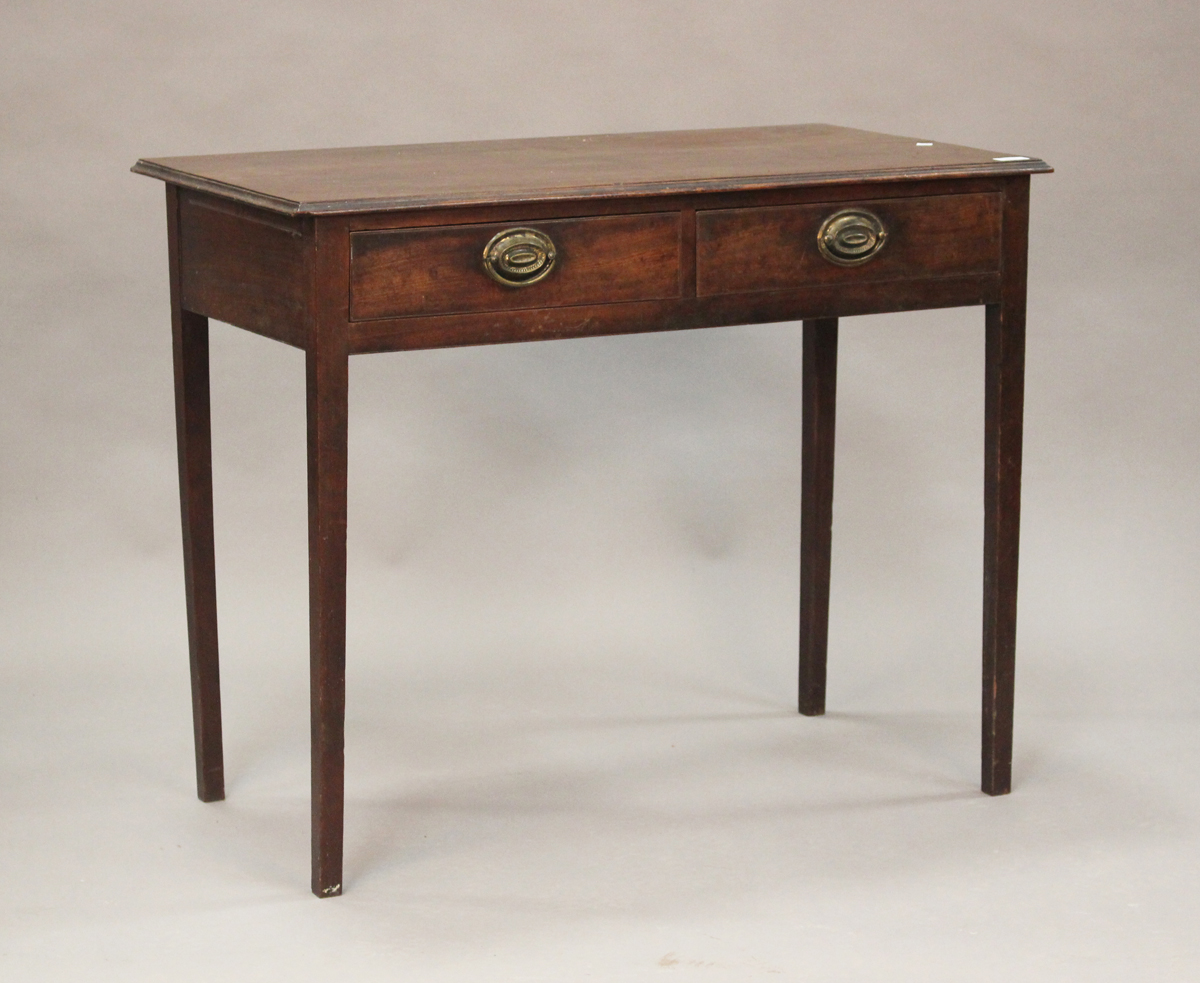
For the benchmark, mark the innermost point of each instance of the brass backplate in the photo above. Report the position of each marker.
(851, 236)
(519, 257)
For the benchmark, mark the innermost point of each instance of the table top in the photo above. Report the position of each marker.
(367, 179)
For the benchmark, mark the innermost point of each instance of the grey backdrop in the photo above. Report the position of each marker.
(573, 565)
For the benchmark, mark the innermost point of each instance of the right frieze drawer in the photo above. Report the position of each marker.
(776, 247)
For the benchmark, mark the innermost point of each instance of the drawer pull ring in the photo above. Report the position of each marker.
(851, 236)
(519, 257)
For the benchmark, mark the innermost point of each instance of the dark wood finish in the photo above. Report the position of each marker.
(816, 506)
(774, 248)
(656, 232)
(589, 321)
(440, 270)
(626, 165)
(252, 292)
(1004, 406)
(531, 211)
(328, 370)
(687, 251)
(243, 266)
(193, 431)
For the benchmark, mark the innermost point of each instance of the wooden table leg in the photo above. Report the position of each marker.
(816, 506)
(328, 381)
(1003, 412)
(194, 440)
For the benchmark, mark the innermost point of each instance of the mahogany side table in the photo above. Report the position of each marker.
(376, 249)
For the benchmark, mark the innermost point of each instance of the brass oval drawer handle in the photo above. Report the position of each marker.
(851, 236)
(519, 257)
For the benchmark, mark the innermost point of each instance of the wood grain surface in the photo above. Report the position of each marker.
(634, 317)
(819, 396)
(1004, 412)
(243, 266)
(440, 270)
(193, 430)
(364, 179)
(743, 249)
(327, 370)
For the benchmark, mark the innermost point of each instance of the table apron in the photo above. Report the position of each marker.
(499, 327)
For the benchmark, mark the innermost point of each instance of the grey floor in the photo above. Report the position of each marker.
(611, 819)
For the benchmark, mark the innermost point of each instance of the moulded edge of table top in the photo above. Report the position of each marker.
(372, 179)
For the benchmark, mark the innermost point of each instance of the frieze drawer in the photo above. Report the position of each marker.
(509, 266)
(786, 246)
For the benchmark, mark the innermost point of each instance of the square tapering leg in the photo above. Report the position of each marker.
(194, 439)
(327, 366)
(327, 384)
(816, 506)
(1004, 401)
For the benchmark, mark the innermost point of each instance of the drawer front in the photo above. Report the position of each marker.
(440, 270)
(776, 248)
